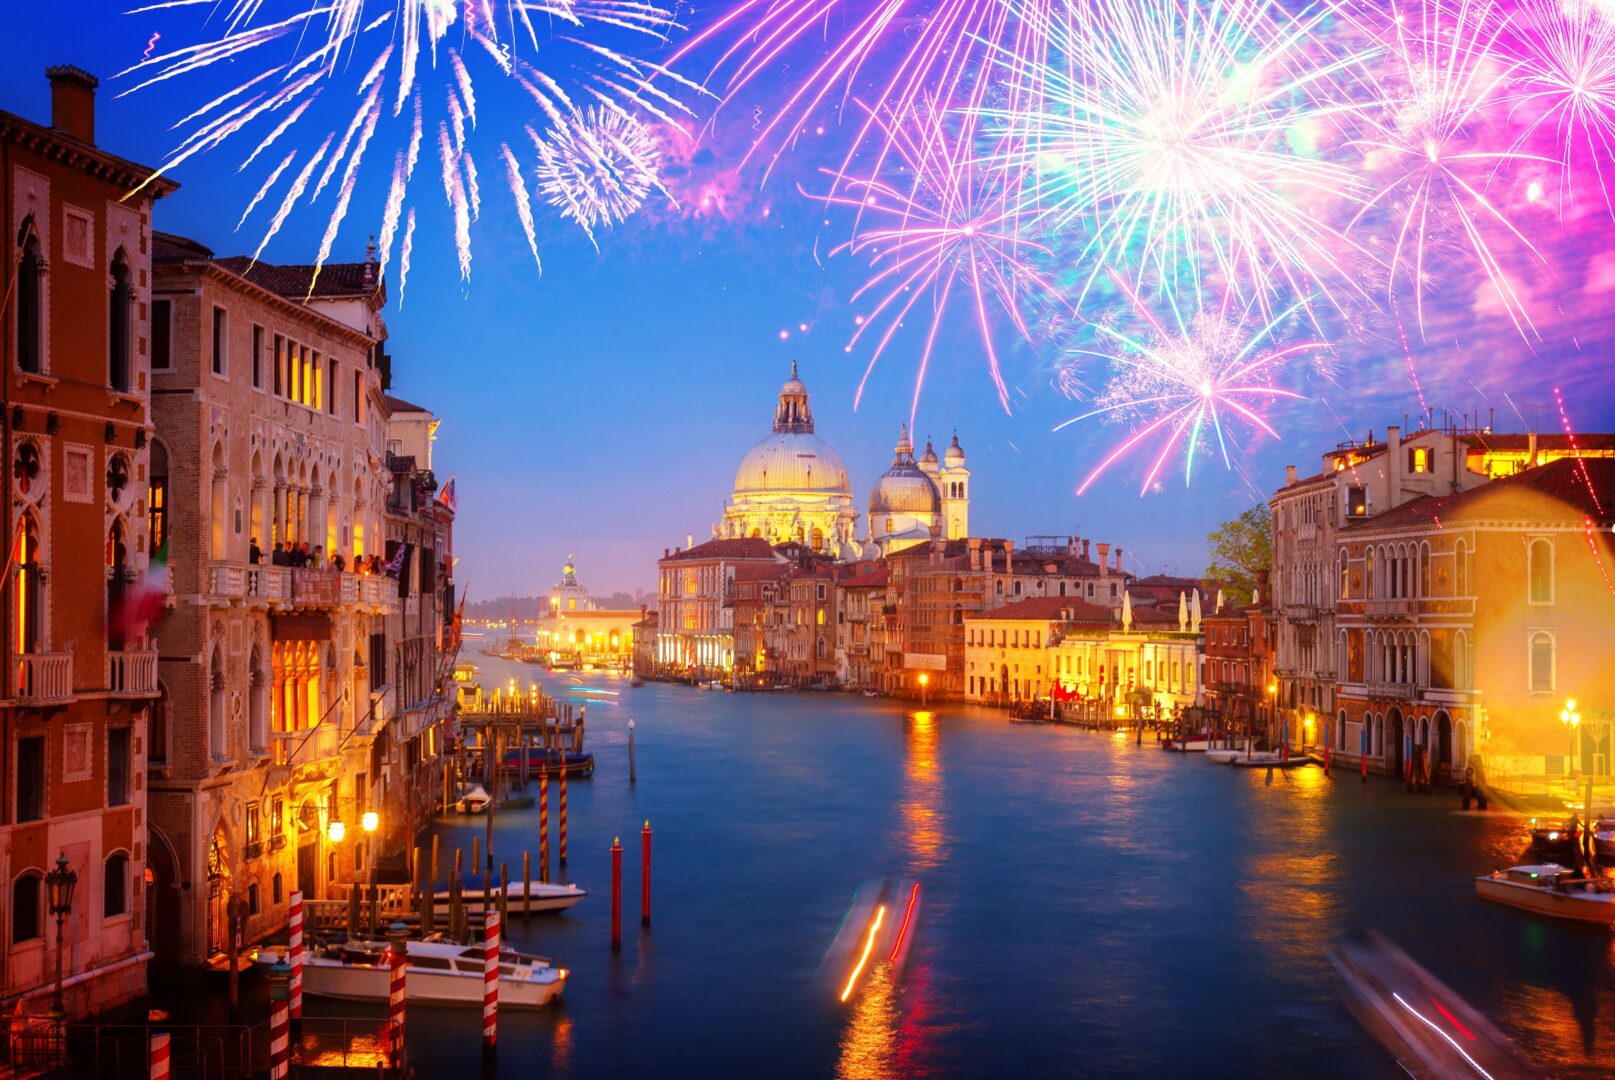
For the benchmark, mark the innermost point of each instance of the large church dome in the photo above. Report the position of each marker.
(904, 488)
(792, 458)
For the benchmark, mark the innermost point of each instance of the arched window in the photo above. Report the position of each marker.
(1368, 573)
(117, 563)
(115, 889)
(217, 743)
(26, 923)
(1424, 569)
(1345, 575)
(157, 728)
(119, 305)
(1460, 554)
(1539, 568)
(29, 594)
(157, 499)
(30, 302)
(1541, 662)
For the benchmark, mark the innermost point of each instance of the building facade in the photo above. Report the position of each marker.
(695, 601)
(275, 491)
(80, 677)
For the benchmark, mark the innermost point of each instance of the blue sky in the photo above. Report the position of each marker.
(602, 408)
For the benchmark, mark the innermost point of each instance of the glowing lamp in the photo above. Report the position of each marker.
(370, 820)
(336, 831)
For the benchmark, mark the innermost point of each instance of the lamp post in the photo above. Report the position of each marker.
(1571, 719)
(59, 885)
(370, 820)
(924, 679)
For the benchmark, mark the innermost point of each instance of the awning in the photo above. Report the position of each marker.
(306, 627)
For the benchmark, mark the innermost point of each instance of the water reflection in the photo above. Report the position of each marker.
(1290, 880)
(561, 1044)
(924, 824)
(869, 1044)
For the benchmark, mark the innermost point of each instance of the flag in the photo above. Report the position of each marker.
(142, 604)
(447, 496)
(395, 565)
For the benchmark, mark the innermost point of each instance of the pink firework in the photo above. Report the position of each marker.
(939, 232)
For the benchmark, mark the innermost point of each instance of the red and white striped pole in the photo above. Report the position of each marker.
(159, 1055)
(490, 986)
(294, 956)
(397, 956)
(544, 820)
(280, 1043)
(562, 821)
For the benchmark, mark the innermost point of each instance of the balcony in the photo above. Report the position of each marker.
(132, 673)
(1386, 608)
(287, 587)
(243, 581)
(45, 678)
(298, 748)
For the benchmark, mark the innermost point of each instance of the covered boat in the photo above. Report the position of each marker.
(436, 973)
(540, 897)
(1271, 759)
(1550, 889)
(551, 762)
(473, 800)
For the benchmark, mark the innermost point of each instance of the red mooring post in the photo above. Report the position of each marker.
(280, 1039)
(562, 820)
(294, 956)
(159, 1055)
(397, 951)
(544, 822)
(644, 875)
(490, 986)
(616, 893)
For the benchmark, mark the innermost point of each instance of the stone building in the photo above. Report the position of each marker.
(576, 632)
(84, 515)
(695, 600)
(270, 430)
(860, 599)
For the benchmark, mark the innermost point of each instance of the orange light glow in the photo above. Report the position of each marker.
(869, 943)
(908, 915)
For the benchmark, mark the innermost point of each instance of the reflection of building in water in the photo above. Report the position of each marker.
(924, 826)
(575, 632)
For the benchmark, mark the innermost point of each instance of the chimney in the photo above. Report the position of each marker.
(1085, 549)
(1393, 449)
(975, 552)
(1009, 556)
(1075, 546)
(1530, 451)
(1291, 474)
(1104, 559)
(72, 101)
(1118, 560)
(666, 552)
(987, 557)
(642, 611)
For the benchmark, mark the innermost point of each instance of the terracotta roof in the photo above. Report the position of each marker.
(334, 279)
(740, 547)
(874, 578)
(762, 571)
(167, 247)
(1048, 609)
(397, 405)
(1567, 490)
(1156, 614)
(651, 618)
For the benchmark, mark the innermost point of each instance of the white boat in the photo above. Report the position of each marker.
(1604, 838)
(1270, 759)
(871, 693)
(436, 973)
(546, 897)
(1550, 889)
(1223, 755)
(473, 800)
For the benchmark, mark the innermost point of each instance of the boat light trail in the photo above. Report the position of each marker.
(908, 916)
(869, 943)
(1453, 1020)
(1426, 1022)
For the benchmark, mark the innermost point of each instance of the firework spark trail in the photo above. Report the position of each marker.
(150, 45)
(404, 255)
(524, 202)
(385, 52)
(293, 193)
(1447, 75)
(1581, 462)
(598, 170)
(934, 220)
(264, 190)
(1163, 132)
(1563, 83)
(1182, 378)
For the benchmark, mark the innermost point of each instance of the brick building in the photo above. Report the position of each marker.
(78, 684)
(695, 600)
(269, 433)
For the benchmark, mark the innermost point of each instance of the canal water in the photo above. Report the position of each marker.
(1087, 906)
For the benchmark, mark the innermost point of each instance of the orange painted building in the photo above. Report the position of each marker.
(76, 688)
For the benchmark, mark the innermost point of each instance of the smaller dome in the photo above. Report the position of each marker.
(928, 460)
(793, 385)
(955, 455)
(904, 489)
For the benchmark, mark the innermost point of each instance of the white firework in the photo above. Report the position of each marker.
(599, 169)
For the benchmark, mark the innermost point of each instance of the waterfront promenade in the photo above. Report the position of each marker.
(1088, 904)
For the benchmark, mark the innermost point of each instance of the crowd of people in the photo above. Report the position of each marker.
(302, 557)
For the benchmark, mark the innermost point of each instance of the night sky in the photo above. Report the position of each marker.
(602, 407)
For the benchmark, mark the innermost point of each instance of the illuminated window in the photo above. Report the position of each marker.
(1418, 459)
(1542, 664)
(1356, 502)
(1539, 569)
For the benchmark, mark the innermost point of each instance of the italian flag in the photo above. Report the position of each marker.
(142, 604)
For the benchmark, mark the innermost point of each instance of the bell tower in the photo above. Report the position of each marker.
(953, 480)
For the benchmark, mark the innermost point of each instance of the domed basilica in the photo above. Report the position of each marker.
(792, 486)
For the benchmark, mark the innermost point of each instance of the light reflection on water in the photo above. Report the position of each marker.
(1081, 895)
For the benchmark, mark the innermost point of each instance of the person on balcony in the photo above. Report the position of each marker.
(255, 554)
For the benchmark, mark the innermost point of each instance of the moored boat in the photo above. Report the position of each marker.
(1604, 838)
(1555, 839)
(1271, 759)
(435, 973)
(551, 762)
(544, 897)
(473, 800)
(1550, 889)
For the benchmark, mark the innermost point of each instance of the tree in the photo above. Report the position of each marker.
(1238, 549)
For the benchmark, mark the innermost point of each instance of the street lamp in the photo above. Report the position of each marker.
(924, 679)
(59, 884)
(336, 831)
(370, 821)
(1571, 719)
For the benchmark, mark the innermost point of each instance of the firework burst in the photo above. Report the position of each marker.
(1190, 384)
(1179, 135)
(422, 71)
(1435, 156)
(598, 169)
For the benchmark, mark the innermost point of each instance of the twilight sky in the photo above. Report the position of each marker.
(602, 407)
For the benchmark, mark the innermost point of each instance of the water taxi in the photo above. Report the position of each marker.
(542, 897)
(436, 973)
(1550, 889)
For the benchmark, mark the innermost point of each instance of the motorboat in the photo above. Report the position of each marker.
(542, 897)
(1554, 838)
(875, 935)
(1550, 889)
(1271, 759)
(1604, 838)
(551, 762)
(436, 972)
(871, 693)
(1223, 756)
(473, 800)
(1192, 744)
